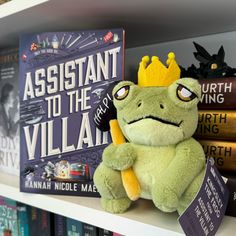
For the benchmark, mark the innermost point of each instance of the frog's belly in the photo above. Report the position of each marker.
(150, 163)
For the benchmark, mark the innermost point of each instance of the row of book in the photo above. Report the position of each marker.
(18, 219)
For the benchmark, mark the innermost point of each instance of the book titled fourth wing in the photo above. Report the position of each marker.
(218, 93)
(216, 124)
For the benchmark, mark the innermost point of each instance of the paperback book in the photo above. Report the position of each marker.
(63, 76)
(9, 112)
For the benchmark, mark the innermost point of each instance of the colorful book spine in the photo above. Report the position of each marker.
(74, 227)
(89, 230)
(8, 216)
(218, 93)
(223, 152)
(23, 219)
(9, 112)
(231, 184)
(59, 225)
(216, 124)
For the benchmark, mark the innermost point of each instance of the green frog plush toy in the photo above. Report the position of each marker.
(158, 118)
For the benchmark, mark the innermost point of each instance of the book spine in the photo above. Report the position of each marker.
(23, 219)
(104, 232)
(8, 217)
(74, 227)
(231, 184)
(216, 124)
(89, 230)
(223, 152)
(33, 220)
(44, 222)
(218, 93)
(59, 225)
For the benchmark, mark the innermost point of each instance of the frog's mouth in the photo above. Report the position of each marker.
(156, 119)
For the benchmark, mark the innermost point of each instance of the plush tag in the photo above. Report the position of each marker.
(205, 213)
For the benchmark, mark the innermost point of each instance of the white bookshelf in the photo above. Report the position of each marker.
(146, 23)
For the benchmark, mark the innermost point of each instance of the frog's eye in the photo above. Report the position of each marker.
(184, 94)
(122, 93)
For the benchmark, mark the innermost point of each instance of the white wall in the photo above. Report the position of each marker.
(184, 50)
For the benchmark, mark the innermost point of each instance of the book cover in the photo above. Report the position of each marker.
(231, 184)
(104, 232)
(89, 230)
(8, 216)
(63, 76)
(59, 225)
(223, 152)
(216, 124)
(9, 112)
(23, 219)
(218, 93)
(74, 227)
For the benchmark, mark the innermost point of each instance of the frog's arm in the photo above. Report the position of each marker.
(188, 162)
(120, 157)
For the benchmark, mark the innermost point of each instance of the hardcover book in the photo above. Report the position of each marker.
(216, 124)
(223, 152)
(63, 76)
(218, 93)
(8, 216)
(9, 112)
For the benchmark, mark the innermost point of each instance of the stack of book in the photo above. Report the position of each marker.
(216, 129)
(18, 219)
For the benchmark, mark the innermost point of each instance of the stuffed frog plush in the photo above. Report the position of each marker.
(158, 123)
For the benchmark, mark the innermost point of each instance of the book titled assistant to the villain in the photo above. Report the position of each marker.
(63, 76)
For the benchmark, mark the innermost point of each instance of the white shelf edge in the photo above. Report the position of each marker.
(88, 210)
(142, 219)
(15, 6)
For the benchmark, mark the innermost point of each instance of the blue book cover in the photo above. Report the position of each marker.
(60, 225)
(23, 219)
(8, 216)
(63, 76)
(74, 227)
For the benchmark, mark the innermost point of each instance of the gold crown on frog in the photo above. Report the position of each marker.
(156, 73)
